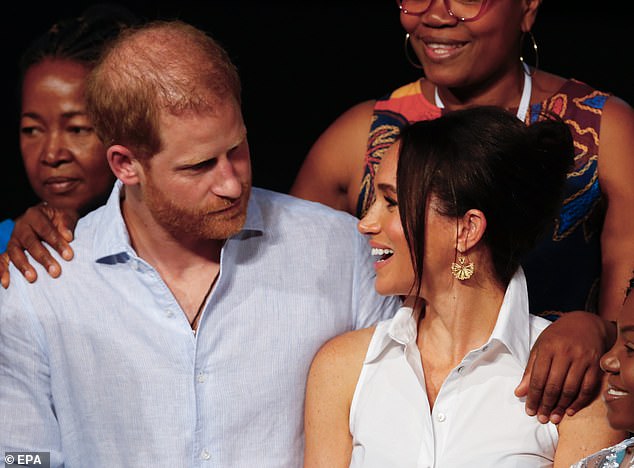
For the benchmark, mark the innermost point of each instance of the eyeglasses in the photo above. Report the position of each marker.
(462, 10)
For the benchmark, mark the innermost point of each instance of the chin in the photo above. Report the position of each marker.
(621, 421)
(390, 290)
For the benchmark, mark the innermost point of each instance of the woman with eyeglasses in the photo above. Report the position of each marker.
(472, 52)
(456, 208)
(475, 52)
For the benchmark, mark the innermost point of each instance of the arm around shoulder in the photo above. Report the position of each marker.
(331, 384)
(616, 167)
(334, 164)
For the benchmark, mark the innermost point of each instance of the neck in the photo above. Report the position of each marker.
(502, 90)
(459, 319)
(187, 266)
(453, 324)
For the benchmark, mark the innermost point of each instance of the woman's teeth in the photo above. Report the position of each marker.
(383, 254)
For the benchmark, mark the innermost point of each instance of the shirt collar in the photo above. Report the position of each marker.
(512, 328)
(402, 331)
(111, 235)
(254, 221)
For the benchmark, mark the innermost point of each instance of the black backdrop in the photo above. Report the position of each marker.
(302, 64)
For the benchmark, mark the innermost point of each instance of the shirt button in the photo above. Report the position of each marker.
(201, 377)
(204, 455)
(441, 417)
(484, 348)
(169, 313)
(460, 369)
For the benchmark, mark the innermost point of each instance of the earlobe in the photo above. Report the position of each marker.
(124, 164)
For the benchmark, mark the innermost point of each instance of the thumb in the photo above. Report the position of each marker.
(522, 389)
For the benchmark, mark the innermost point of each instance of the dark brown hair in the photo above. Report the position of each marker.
(484, 158)
(80, 39)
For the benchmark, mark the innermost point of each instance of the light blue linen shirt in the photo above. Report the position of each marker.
(101, 368)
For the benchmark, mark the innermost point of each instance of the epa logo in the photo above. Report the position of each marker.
(40, 459)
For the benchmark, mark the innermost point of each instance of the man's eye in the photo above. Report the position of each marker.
(80, 130)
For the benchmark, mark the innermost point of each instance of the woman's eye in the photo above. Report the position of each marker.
(29, 131)
(390, 202)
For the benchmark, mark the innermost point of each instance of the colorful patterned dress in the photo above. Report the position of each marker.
(563, 271)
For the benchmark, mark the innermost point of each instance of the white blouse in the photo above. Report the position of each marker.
(476, 421)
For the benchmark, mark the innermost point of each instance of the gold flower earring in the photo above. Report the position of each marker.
(464, 269)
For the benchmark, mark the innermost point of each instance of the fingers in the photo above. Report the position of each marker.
(50, 226)
(19, 259)
(555, 386)
(590, 385)
(4, 270)
(65, 222)
(549, 386)
(522, 389)
(567, 392)
(536, 375)
(37, 225)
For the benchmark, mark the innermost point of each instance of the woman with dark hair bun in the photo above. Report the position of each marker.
(459, 201)
(64, 160)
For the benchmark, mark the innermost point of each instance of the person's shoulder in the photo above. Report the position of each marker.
(409, 89)
(618, 112)
(537, 325)
(89, 226)
(291, 207)
(344, 352)
(548, 85)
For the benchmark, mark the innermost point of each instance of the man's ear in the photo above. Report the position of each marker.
(471, 227)
(124, 164)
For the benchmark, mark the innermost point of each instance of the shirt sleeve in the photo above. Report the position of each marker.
(27, 413)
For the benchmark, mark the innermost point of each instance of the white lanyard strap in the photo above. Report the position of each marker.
(524, 101)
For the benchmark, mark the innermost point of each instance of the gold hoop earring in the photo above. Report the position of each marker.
(408, 55)
(463, 270)
(535, 51)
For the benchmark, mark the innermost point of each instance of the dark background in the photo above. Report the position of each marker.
(304, 63)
